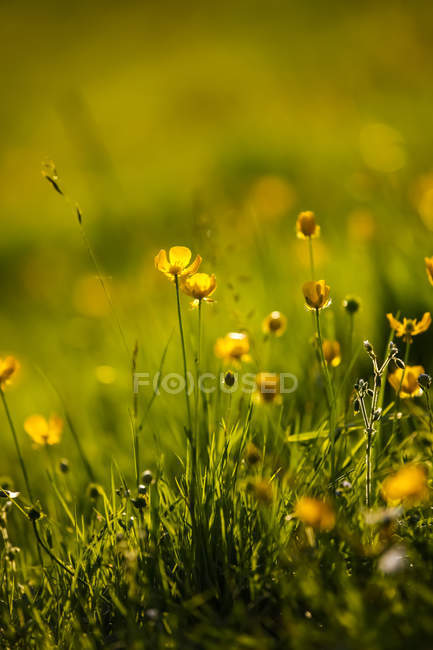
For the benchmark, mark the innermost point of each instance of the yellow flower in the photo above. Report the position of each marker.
(332, 352)
(43, 431)
(275, 323)
(199, 286)
(408, 484)
(409, 385)
(410, 326)
(306, 225)
(177, 263)
(315, 513)
(267, 388)
(233, 348)
(8, 367)
(429, 268)
(316, 294)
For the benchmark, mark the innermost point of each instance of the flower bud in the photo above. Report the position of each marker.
(351, 305)
(34, 514)
(147, 477)
(229, 379)
(424, 380)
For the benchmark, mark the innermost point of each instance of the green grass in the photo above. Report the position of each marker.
(208, 550)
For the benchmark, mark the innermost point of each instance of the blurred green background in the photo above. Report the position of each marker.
(210, 126)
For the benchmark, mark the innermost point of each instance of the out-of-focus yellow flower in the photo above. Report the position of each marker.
(199, 286)
(271, 197)
(315, 513)
(233, 348)
(409, 385)
(8, 367)
(105, 374)
(316, 294)
(306, 225)
(332, 352)
(275, 323)
(409, 327)
(267, 388)
(43, 431)
(177, 263)
(429, 268)
(408, 484)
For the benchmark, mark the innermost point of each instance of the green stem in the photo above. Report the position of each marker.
(310, 249)
(198, 363)
(430, 413)
(330, 394)
(17, 444)
(182, 340)
(397, 399)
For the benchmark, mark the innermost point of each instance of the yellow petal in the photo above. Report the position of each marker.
(179, 256)
(37, 428)
(161, 261)
(192, 268)
(394, 323)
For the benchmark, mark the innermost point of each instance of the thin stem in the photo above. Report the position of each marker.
(310, 249)
(17, 444)
(182, 340)
(330, 394)
(198, 363)
(135, 415)
(430, 413)
(368, 469)
(397, 399)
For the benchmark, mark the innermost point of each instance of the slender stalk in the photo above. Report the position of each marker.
(185, 367)
(330, 394)
(430, 413)
(310, 250)
(397, 399)
(17, 444)
(198, 363)
(135, 416)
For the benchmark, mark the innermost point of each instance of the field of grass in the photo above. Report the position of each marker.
(284, 501)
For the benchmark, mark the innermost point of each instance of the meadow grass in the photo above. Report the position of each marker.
(270, 520)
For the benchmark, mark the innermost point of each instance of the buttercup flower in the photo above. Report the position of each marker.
(275, 323)
(409, 327)
(267, 388)
(429, 268)
(43, 431)
(409, 385)
(199, 286)
(8, 367)
(408, 484)
(233, 348)
(177, 263)
(316, 294)
(306, 225)
(315, 513)
(332, 352)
